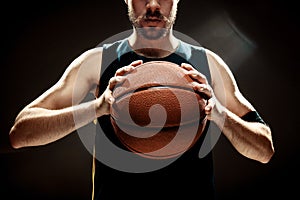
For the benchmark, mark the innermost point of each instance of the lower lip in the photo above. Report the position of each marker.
(152, 22)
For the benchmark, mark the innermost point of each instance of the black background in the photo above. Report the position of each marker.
(40, 39)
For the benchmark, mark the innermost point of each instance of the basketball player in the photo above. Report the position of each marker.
(50, 117)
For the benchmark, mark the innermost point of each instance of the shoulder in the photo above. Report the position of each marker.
(218, 66)
(90, 54)
(225, 85)
(87, 66)
(86, 56)
(214, 58)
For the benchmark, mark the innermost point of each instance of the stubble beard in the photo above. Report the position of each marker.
(152, 33)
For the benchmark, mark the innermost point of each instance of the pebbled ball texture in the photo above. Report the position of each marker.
(156, 112)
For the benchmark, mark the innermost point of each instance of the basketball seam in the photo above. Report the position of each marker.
(153, 86)
(201, 120)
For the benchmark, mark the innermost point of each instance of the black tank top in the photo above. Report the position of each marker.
(188, 177)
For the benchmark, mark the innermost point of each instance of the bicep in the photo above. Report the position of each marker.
(225, 86)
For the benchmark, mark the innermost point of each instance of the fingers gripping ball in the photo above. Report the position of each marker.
(156, 112)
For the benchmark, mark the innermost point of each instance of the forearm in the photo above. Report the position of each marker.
(251, 139)
(39, 126)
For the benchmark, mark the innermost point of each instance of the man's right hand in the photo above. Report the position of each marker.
(107, 99)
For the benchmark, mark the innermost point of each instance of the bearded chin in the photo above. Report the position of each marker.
(151, 33)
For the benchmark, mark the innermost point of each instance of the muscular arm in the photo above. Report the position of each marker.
(51, 116)
(251, 139)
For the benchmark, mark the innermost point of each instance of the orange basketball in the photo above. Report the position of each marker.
(156, 112)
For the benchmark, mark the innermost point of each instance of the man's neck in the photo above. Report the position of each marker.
(159, 48)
